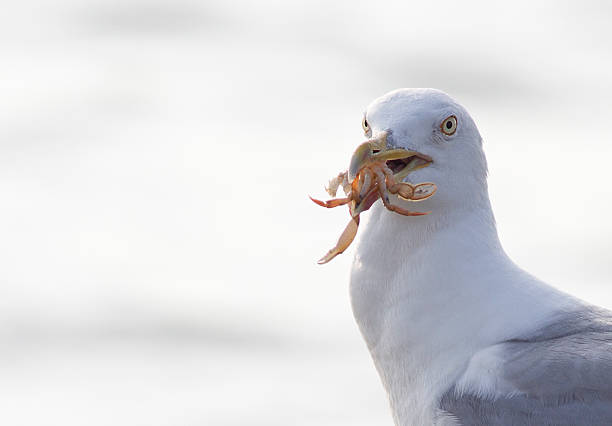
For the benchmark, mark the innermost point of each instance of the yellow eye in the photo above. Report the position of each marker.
(365, 125)
(449, 125)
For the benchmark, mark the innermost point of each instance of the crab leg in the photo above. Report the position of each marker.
(401, 189)
(367, 183)
(357, 185)
(404, 190)
(366, 202)
(335, 202)
(384, 195)
(407, 191)
(345, 240)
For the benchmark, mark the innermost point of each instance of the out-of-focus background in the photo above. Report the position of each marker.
(157, 244)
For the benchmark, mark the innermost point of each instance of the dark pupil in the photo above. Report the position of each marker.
(449, 124)
(365, 123)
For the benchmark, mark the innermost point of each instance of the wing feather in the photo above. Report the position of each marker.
(559, 375)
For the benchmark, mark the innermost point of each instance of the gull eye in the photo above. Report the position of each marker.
(365, 125)
(449, 125)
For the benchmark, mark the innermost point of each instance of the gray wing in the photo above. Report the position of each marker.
(562, 374)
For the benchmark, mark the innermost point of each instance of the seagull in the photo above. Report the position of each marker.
(459, 334)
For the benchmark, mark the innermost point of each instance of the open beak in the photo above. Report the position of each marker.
(399, 160)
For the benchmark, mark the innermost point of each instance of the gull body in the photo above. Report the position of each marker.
(459, 334)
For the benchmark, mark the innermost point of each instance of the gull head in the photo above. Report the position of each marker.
(419, 141)
(430, 122)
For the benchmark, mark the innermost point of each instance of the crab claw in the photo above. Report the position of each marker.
(345, 240)
(423, 191)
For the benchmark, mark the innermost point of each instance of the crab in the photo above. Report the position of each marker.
(375, 172)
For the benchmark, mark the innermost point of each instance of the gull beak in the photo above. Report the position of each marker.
(399, 160)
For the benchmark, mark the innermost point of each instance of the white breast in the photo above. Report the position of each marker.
(429, 292)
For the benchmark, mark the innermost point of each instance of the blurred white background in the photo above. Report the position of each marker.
(158, 246)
